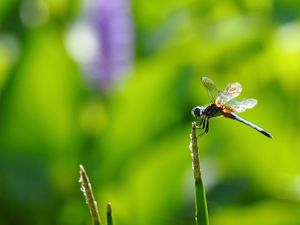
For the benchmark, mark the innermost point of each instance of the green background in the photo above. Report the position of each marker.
(133, 139)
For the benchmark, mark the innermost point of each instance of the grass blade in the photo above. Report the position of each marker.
(201, 210)
(87, 191)
(109, 214)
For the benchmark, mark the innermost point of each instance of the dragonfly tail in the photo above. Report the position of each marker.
(235, 117)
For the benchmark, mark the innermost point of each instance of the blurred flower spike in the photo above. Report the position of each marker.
(103, 42)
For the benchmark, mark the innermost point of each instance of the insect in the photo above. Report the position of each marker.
(224, 104)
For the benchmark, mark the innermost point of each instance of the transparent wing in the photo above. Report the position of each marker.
(231, 91)
(212, 90)
(241, 106)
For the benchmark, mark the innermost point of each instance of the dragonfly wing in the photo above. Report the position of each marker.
(231, 91)
(241, 106)
(212, 90)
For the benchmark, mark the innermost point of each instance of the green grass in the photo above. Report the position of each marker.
(201, 210)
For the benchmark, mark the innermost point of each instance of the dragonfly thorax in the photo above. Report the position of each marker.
(208, 111)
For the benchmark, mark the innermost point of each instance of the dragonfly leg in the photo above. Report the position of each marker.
(206, 126)
(205, 121)
(199, 135)
(199, 124)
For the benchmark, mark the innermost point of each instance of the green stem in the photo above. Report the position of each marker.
(109, 214)
(201, 210)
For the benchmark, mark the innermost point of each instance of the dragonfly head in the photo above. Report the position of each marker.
(197, 111)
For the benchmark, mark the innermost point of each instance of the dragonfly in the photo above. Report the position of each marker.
(223, 103)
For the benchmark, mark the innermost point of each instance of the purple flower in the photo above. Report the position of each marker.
(113, 26)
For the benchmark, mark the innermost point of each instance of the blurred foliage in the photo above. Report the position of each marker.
(133, 139)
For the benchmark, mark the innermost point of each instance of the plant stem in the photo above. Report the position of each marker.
(201, 210)
(86, 188)
(109, 214)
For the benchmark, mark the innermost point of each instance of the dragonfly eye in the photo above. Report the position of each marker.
(196, 112)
